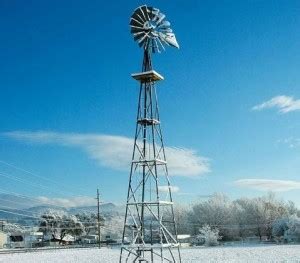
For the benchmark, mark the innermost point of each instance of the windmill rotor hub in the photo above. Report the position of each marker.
(149, 25)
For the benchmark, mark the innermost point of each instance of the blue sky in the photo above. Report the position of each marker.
(65, 85)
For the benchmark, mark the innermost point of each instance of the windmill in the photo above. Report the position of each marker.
(149, 233)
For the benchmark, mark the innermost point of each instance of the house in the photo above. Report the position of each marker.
(3, 239)
(34, 239)
(66, 240)
(20, 239)
(15, 240)
(184, 240)
(90, 239)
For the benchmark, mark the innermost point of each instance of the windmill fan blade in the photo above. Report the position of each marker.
(142, 13)
(155, 11)
(135, 16)
(150, 12)
(145, 12)
(139, 18)
(142, 42)
(161, 44)
(143, 38)
(166, 30)
(138, 33)
(138, 27)
(136, 30)
(156, 45)
(147, 43)
(164, 24)
(134, 22)
(153, 47)
(138, 36)
(161, 17)
(139, 13)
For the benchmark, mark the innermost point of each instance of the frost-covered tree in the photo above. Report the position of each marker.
(287, 229)
(113, 227)
(279, 228)
(215, 212)
(251, 218)
(241, 218)
(209, 235)
(50, 223)
(58, 224)
(12, 228)
(257, 215)
(274, 209)
(293, 231)
(182, 215)
(89, 222)
(292, 209)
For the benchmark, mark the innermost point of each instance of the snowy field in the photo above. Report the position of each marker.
(267, 253)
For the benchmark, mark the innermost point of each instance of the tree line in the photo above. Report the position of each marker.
(265, 217)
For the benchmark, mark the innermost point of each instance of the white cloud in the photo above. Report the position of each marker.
(283, 103)
(68, 202)
(268, 185)
(165, 189)
(115, 151)
(291, 142)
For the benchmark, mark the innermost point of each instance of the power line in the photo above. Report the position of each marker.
(35, 200)
(9, 212)
(15, 178)
(11, 201)
(35, 175)
(12, 208)
(37, 185)
(28, 197)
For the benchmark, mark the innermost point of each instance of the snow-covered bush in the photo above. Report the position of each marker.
(287, 229)
(279, 228)
(208, 235)
(292, 234)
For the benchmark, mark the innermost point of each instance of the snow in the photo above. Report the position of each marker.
(259, 253)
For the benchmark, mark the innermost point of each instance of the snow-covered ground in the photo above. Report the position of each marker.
(267, 253)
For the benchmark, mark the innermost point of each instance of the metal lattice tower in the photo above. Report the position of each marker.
(150, 233)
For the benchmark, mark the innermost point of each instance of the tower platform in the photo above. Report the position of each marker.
(147, 76)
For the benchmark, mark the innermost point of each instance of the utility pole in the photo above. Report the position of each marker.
(98, 218)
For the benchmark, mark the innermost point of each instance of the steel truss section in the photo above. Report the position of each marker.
(149, 233)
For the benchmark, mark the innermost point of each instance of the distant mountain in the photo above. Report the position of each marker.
(14, 207)
(41, 209)
(106, 209)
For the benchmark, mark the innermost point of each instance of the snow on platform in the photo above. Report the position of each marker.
(266, 253)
